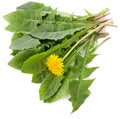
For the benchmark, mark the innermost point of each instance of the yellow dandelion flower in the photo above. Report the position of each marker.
(55, 64)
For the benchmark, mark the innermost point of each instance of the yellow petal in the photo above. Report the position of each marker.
(55, 64)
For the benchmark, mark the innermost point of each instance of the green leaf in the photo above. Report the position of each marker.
(23, 21)
(49, 86)
(51, 16)
(80, 59)
(30, 5)
(88, 71)
(90, 57)
(25, 42)
(27, 17)
(79, 88)
(62, 90)
(78, 96)
(18, 60)
(89, 14)
(14, 52)
(16, 36)
(35, 64)
(76, 71)
(34, 5)
(62, 17)
(38, 78)
(87, 83)
(56, 31)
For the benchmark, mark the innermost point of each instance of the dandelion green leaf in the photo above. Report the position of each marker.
(57, 30)
(23, 20)
(77, 88)
(62, 90)
(25, 42)
(18, 60)
(38, 77)
(79, 92)
(49, 86)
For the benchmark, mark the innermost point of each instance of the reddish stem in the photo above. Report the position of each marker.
(97, 18)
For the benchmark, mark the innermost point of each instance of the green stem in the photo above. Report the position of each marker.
(76, 51)
(91, 32)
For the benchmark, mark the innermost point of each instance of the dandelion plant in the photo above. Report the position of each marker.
(56, 48)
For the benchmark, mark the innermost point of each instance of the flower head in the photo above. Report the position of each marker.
(55, 64)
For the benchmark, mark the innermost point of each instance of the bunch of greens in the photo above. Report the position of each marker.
(56, 48)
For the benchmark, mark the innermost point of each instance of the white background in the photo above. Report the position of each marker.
(19, 98)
